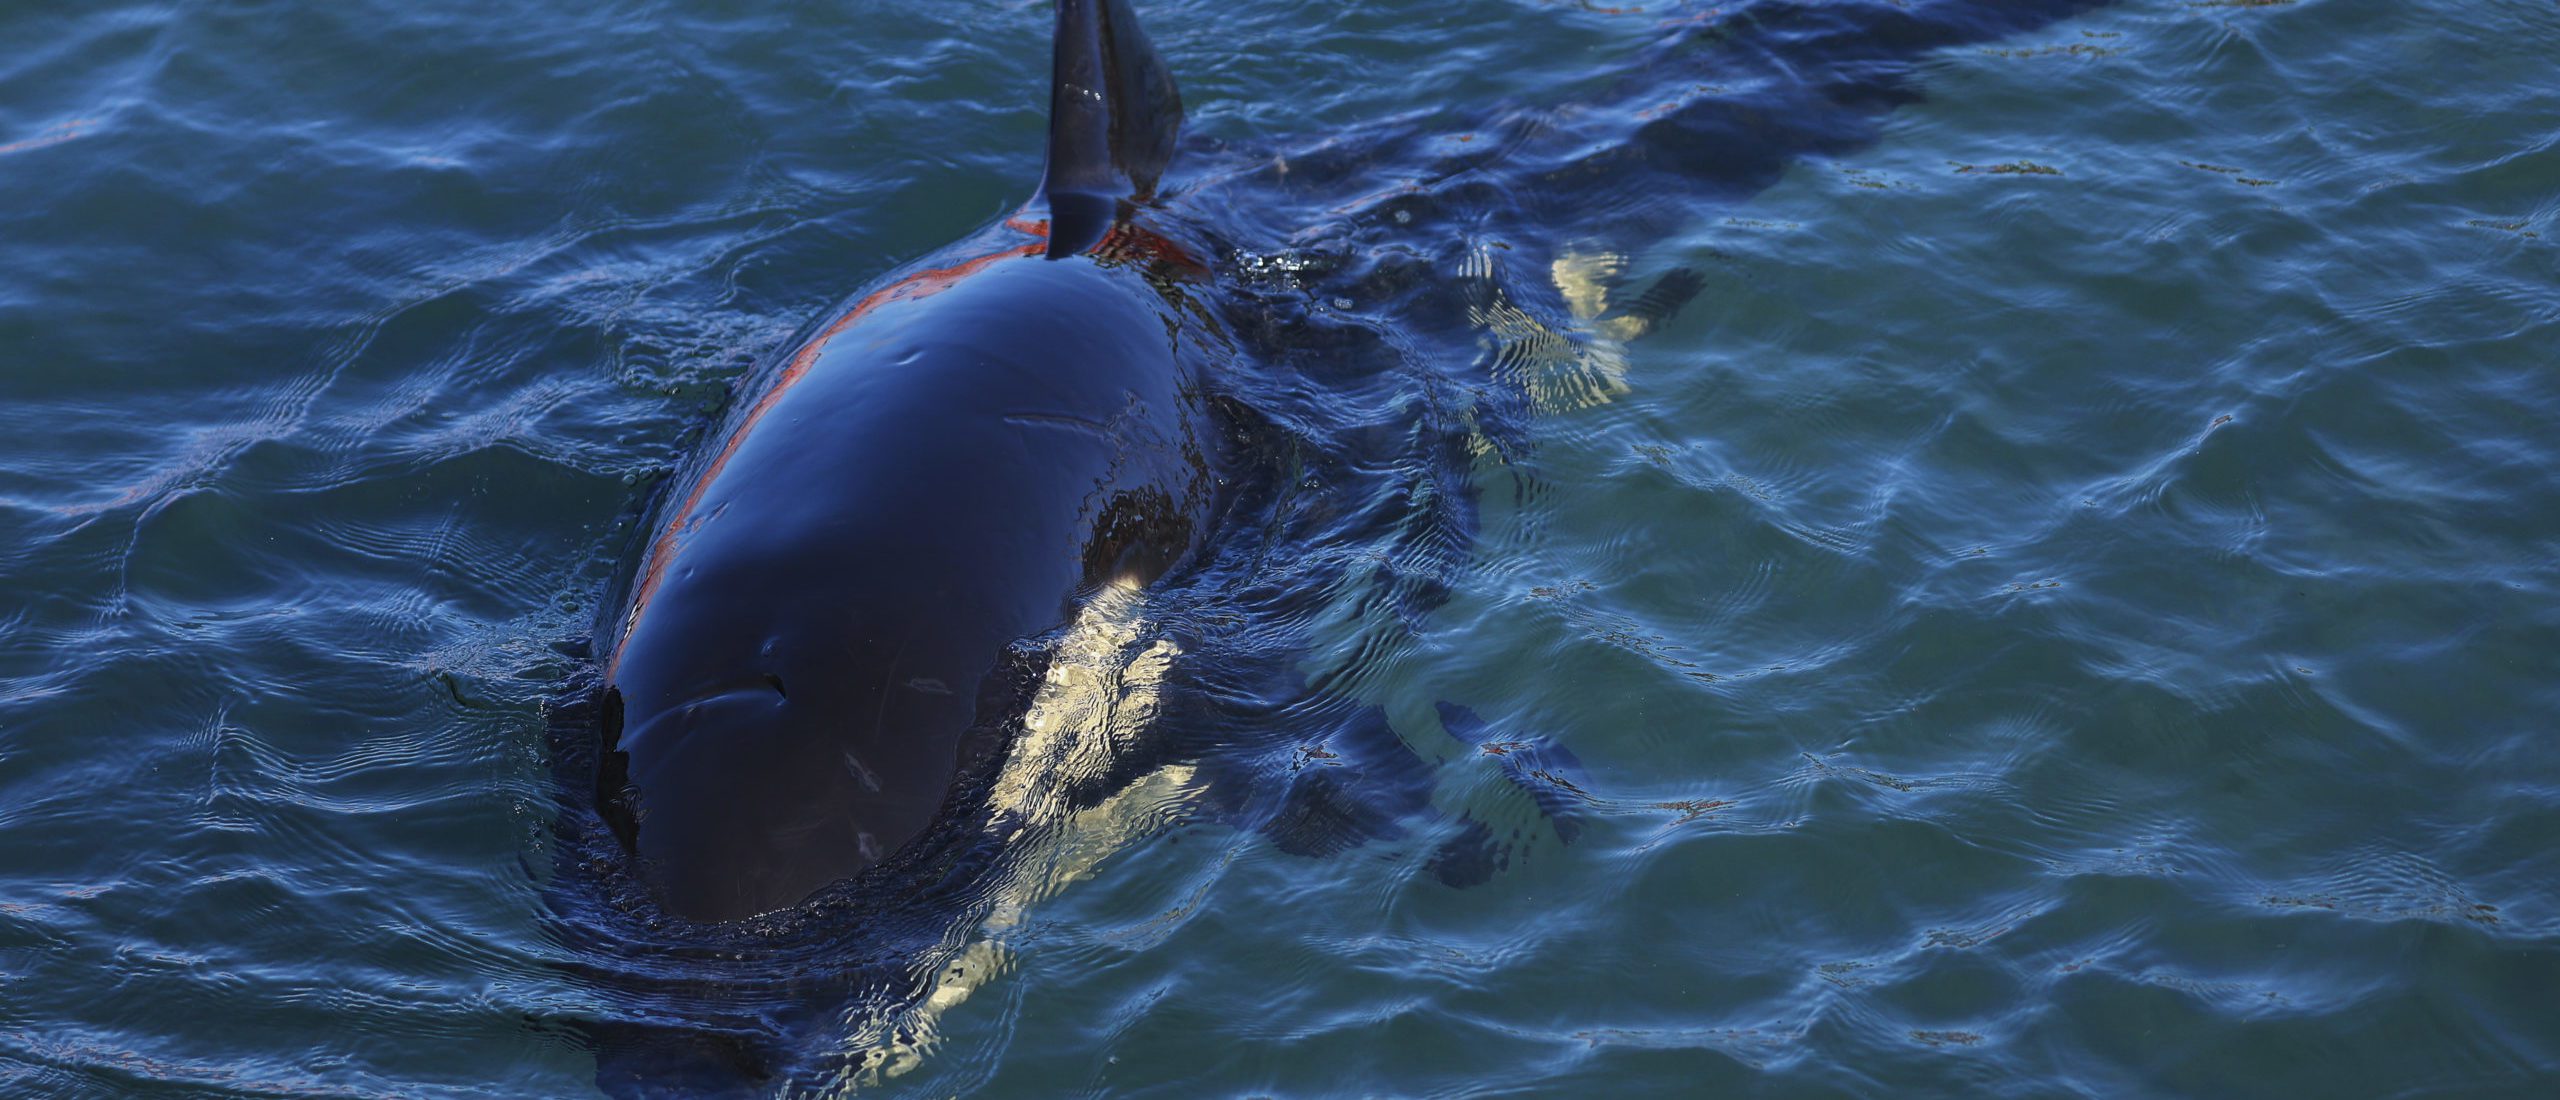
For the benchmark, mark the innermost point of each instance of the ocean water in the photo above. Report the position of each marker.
(1938, 547)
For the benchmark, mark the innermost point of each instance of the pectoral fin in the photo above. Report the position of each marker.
(1492, 839)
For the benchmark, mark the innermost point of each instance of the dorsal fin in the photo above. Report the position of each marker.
(1113, 114)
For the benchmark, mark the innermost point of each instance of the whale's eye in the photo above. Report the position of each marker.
(775, 682)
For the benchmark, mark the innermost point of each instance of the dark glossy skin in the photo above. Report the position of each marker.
(938, 476)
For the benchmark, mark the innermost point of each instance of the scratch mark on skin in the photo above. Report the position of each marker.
(1078, 424)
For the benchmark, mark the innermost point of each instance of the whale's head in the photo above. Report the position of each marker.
(748, 800)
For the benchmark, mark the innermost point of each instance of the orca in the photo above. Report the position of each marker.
(945, 470)
(889, 668)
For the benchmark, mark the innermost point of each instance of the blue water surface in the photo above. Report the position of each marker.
(1934, 547)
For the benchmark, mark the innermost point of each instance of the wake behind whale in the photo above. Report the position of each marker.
(913, 643)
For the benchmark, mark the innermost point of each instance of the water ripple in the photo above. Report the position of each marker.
(2062, 608)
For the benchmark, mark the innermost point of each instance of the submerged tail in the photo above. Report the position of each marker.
(1113, 115)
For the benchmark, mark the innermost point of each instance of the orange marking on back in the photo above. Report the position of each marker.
(1129, 242)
